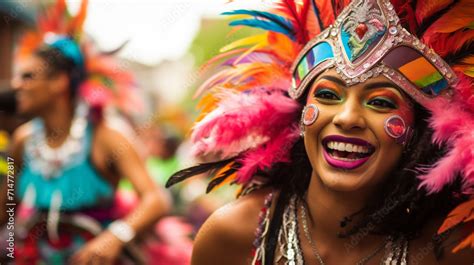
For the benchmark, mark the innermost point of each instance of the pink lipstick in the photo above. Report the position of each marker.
(346, 153)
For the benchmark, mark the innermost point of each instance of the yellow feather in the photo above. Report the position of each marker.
(260, 39)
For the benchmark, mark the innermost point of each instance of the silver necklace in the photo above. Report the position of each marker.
(51, 161)
(304, 217)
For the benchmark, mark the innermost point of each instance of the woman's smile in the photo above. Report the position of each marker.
(347, 144)
(346, 153)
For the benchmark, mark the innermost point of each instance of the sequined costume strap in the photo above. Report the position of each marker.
(289, 251)
(396, 252)
(258, 250)
(288, 247)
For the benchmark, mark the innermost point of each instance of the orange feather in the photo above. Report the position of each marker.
(462, 213)
(75, 26)
(312, 24)
(457, 18)
(283, 47)
(221, 171)
(467, 242)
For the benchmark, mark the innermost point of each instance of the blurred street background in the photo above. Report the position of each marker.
(165, 44)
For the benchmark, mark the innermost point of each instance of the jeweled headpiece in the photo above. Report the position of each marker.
(368, 40)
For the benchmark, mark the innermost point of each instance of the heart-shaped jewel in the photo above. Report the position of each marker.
(395, 126)
(360, 30)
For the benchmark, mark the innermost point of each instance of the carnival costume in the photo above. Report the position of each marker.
(251, 117)
(64, 200)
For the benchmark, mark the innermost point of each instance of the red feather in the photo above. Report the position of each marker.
(53, 19)
(312, 24)
(305, 9)
(406, 13)
(426, 8)
(459, 17)
(444, 44)
(296, 12)
(326, 12)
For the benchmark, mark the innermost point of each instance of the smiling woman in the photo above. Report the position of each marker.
(348, 156)
(347, 145)
(350, 133)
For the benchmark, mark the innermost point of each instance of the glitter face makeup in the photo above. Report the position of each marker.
(310, 114)
(348, 145)
(395, 126)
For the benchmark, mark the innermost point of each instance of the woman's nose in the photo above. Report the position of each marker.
(351, 115)
(16, 82)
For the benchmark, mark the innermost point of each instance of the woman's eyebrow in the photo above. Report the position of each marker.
(334, 79)
(380, 84)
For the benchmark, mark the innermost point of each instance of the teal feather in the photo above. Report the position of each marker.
(264, 20)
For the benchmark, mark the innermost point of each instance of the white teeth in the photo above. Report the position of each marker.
(340, 146)
(349, 147)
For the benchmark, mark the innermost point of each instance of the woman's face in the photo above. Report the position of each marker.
(35, 87)
(352, 119)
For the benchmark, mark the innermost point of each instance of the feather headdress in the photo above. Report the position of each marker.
(248, 121)
(105, 83)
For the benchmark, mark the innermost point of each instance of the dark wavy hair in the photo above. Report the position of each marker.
(398, 208)
(56, 62)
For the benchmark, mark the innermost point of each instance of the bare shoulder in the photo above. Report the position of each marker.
(116, 124)
(108, 134)
(113, 139)
(227, 235)
(422, 250)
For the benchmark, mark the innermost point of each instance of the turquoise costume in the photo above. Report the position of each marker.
(74, 203)
(79, 184)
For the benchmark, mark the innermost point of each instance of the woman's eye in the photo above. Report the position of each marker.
(27, 76)
(326, 94)
(382, 103)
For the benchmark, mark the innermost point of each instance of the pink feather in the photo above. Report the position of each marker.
(241, 118)
(447, 120)
(459, 160)
(442, 173)
(265, 156)
(465, 91)
(453, 124)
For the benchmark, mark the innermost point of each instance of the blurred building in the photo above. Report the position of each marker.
(14, 16)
